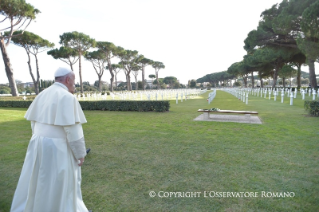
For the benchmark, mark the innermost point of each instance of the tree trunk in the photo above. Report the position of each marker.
(136, 87)
(80, 72)
(312, 73)
(261, 83)
(71, 65)
(32, 76)
(128, 81)
(112, 74)
(299, 76)
(37, 90)
(157, 85)
(143, 77)
(115, 75)
(245, 81)
(8, 68)
(252, 80)
(283, 82)
(100, 84)
(274, 82)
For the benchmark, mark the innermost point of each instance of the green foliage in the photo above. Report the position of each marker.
(310, 22)
(95, 56)
(312, 107)
(170, 80)
(17, 10)
(77, 41)
(140, 85)
(63, 53)
(237, 84)
(287, 71)
(108, 48)
(20, 103)
(193, 83)
(5, 89)
(214, 78)
(29, 90)
(89, 88)
(46, 83)
(140, 106)
(158, 65)
(30, 41)
(160, 80)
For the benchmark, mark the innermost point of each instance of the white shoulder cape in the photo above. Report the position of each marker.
(57, 106)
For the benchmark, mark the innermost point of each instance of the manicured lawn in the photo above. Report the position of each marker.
(134, 153)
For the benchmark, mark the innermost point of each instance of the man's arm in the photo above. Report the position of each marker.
(32, 126)
(76, 141)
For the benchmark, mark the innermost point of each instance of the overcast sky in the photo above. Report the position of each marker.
(192, 38)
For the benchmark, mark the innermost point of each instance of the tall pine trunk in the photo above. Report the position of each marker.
(245, 81)
(252, 80)
(32, 76)
(274, 82)
(115, 75)
(71, 65)
(8, 68)
(312, 73)
(136, 87)
(100, 84)
(143, 77)
(128, 81)
(80, 72)
(157, 85)
(112, 74)
(37, 90)
(299, 76)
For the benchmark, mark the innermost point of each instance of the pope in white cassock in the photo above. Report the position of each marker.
(50, 179)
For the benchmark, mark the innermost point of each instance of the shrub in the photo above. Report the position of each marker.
(141, 106)
(312, 107)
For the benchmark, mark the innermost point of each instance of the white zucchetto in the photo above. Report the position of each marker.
(61, 72)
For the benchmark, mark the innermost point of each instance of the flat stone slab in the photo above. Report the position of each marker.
(248, 119)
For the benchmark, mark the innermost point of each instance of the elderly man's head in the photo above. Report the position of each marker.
(66, 77)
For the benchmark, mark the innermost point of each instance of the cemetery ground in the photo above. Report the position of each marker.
(134, 153)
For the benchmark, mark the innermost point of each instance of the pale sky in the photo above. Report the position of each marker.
(192, 38)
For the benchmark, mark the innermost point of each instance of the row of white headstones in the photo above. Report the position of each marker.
(211, 96)
(154, 95)
(242, 94)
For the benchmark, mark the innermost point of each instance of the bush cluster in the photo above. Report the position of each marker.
(12, 103)
(312, 107)
(141, 106)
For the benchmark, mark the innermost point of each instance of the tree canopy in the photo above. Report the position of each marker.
(17, 14)
(79, 42)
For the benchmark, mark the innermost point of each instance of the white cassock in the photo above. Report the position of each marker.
(50, 179)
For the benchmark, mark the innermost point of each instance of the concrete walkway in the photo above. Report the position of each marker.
(230, 118)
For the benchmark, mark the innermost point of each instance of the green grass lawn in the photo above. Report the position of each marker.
(134, 153)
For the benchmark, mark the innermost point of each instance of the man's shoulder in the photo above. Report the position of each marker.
(60, 90)
(56, 92)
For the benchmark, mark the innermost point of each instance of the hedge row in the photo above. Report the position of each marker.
(312, 107)
(141, 106)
